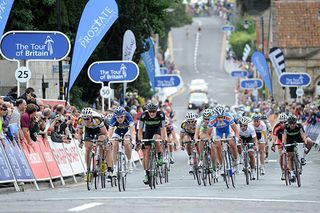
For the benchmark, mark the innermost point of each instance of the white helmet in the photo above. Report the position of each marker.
(190, 116)
(207, 113)
(219, 110)
(283, 117)
(86, 112)
(245, 120)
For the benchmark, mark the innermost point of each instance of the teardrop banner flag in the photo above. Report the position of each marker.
(260, 63)
(97, 18)
(4, 13)
(149, 61)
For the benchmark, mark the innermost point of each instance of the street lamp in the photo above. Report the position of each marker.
(246, 24)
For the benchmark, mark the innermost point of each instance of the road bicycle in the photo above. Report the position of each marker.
(206, 170)
(194, 161)
(246, 160)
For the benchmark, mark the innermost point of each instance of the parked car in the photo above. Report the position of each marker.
(197, 99)
(198, 85)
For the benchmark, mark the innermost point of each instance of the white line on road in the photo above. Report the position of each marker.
(190, 198)
(84, 207)
(196, 53)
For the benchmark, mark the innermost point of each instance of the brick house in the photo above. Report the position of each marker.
(294, 27)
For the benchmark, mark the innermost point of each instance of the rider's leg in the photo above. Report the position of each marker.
(88, 147)
(261, 153)
(128, 147)
(252, 159)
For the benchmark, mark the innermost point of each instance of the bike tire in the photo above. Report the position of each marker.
(297, 170)
(166, 173)
(226, 177)
(257, 165)
(90, 173)
(286, 170)
(204, 175)
(119, 172)
(246, 168)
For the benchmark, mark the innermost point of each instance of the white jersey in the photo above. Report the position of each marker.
(248, 132)
(259, 129)
(202, 125)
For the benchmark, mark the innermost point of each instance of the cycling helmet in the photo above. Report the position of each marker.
(190, 116)
(256, 117)
(207, 113)
(86, 112)
(119, 111)
(245, 120)
(219, 110)
(283, 117)
(152, 107)
(292, 119)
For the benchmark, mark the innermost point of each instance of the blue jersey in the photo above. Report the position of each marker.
(223, 126)
(121, 128)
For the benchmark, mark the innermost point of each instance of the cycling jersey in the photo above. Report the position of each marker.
(222, 127)
(202, 125)
(151, 126)
(188, 128)
(248, 134)
(259, 129)
(278, 131)
(121, 128)
(293, 135)
(169, 129)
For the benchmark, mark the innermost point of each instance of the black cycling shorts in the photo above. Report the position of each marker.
(149, 133)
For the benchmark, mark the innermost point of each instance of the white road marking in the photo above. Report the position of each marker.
(196, 53)
(189, 198)
(84, 207)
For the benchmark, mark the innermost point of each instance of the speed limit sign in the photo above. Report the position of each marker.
(23, 74)
(105, 92)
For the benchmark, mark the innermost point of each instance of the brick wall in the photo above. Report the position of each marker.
(297, 23)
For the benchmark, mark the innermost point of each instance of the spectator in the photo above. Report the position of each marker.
(3, 112)
(26, 119)
(14, 123)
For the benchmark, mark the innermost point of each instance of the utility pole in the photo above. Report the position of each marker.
(61, 87)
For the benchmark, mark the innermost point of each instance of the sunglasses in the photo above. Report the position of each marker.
(152, 111)
(191, 121)
(206, 119)
(282, 122)
(242, 125)
(86, 119)
(219, 116)
(119, 117)
(4, 109)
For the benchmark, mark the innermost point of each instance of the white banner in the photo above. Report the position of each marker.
(81, 153)
(128, 49)
(74, 158)
(61, 158)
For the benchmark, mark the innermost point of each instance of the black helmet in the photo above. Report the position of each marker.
(152, 107)
(292, 119)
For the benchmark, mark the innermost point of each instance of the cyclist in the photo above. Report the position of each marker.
(293, 132)
(277, 138)
(91, 124)
(269, 131)
(261, 131)
(172, 138)
(121, 125)
(201, 132)
(222, 121)
(151, 126)
(247, 135)
(188, 127)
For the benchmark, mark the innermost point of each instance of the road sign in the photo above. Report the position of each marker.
(164, 71)
(294, 79)
(167, 81)
(239, 73)
(34, 45)
(23, 74)
(300, 92)
(251, 84)
(255, 92)
(246, 52)
(105, 92)
(226, 28)
(113, 71)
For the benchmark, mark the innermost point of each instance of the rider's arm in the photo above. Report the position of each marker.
(110, 132)
(284, 137)
(303, 135)
(235, 129)
(140, 130)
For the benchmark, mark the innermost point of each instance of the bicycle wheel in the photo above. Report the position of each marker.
(246, 167)
(166, 173)
(297, 170)
(160, 175)
(257, 163)
(285, 168)
(152, 171)
(96, 175)
(119, 172)
(204, 174)
(90, 173)
(226, 177)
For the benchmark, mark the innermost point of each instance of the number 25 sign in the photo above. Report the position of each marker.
(23, 74)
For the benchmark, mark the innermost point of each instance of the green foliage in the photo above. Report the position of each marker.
(243, 36)
(76, 97)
